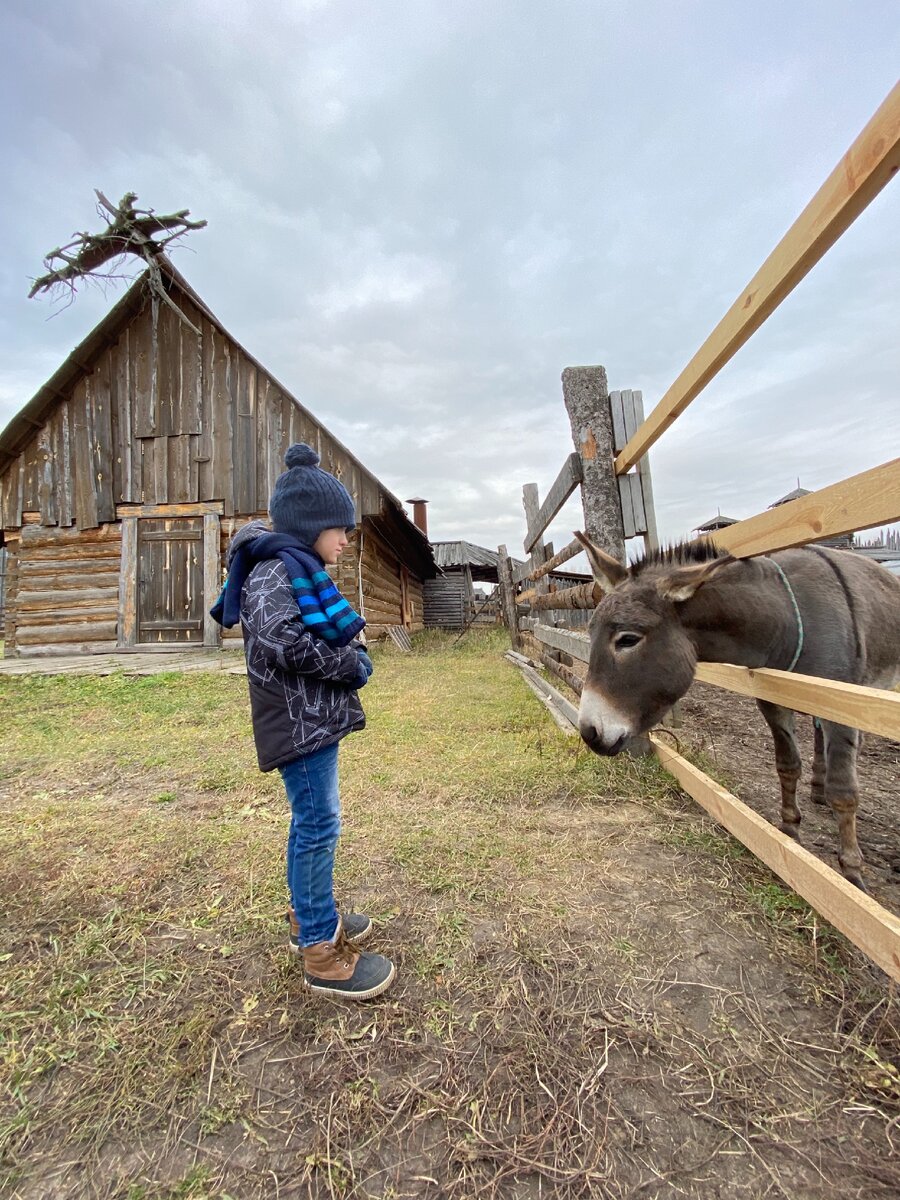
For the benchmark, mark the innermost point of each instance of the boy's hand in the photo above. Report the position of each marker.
(365, 661)
(364, 669)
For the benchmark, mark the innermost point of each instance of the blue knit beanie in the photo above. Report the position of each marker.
(306, 499)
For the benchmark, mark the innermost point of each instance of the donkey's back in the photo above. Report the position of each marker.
(851, 608)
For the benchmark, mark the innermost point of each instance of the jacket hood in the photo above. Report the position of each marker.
(245, 534)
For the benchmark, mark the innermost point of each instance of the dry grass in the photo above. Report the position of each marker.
(598, 993)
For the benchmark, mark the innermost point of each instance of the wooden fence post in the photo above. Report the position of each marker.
(508, 594)
(586, 397)
(540, 552)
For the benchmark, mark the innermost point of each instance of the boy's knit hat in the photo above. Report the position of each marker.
(306, 499)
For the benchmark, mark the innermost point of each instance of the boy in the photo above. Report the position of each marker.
(304, 668)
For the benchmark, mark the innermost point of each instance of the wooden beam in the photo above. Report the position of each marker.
(586, 397)
(212, 578)
(209, 508)
(566, 674)
(869, 926)
(583, 595)
(872, 709)
(507, 592)
(870, 498)
(521, 571)
(563, 486)
(853, 184)
(562, 710)
(128, 583)
(574, 547)
(576, 644)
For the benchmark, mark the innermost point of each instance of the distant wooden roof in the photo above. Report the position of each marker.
(716, 522)
(794, 495)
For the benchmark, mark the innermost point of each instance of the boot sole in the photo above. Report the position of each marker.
(337, 994)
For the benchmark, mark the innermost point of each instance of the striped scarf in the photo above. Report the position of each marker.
(324, 610)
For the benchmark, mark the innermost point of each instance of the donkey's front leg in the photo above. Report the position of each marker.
(817, 790)
(787, 763)
(842, 793)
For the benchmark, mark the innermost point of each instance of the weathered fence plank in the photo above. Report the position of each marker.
(562, 488)
(574, 547)
(857, 179)
(507, 592)
(869, 926)
(562, 710)
(576, 644)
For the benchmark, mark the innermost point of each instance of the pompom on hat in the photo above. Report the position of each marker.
(306, 499)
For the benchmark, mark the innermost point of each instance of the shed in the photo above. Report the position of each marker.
(123, 479)
(450, 600)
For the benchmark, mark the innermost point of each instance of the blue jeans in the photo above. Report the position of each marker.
(311, 783)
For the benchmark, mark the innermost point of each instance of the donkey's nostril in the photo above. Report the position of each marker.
(589, 734)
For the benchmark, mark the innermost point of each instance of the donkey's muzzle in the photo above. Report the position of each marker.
(594, 740)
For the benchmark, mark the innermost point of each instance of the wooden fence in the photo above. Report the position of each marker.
(609, 465)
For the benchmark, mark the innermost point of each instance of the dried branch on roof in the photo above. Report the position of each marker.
(130, 231)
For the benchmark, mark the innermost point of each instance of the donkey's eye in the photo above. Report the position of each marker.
(624, 641)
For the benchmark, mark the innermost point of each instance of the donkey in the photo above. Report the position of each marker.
(819, 611)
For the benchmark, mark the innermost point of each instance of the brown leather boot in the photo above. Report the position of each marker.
(339, 969)
(356, 926)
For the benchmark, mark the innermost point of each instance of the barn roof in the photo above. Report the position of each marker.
(461, 554)
(393, 522)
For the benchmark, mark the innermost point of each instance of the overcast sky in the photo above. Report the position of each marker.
(420, 213)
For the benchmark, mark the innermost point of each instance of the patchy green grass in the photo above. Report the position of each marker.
(588, 971)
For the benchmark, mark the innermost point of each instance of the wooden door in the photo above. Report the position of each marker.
(405, 606)
(170, 580)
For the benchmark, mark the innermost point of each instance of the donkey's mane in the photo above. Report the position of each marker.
(682, 554)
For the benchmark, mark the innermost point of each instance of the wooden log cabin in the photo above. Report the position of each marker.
(124, 478)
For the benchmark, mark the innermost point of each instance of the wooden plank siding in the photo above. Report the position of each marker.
(446, 600)
(163, 417)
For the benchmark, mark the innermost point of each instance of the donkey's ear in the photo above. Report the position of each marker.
(683, 582)
(607, 572)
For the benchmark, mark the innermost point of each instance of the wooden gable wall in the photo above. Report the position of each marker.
(164, 417)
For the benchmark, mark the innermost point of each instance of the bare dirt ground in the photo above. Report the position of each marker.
(730, 730)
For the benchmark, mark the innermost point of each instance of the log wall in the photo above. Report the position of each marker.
(10, 598)
(383, 589)
(67, 591)
(381, 600)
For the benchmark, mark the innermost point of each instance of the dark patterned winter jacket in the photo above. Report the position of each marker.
(301, 689)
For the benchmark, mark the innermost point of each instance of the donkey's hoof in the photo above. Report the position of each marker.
(792, 829)
(852, 875)
(817, 796)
